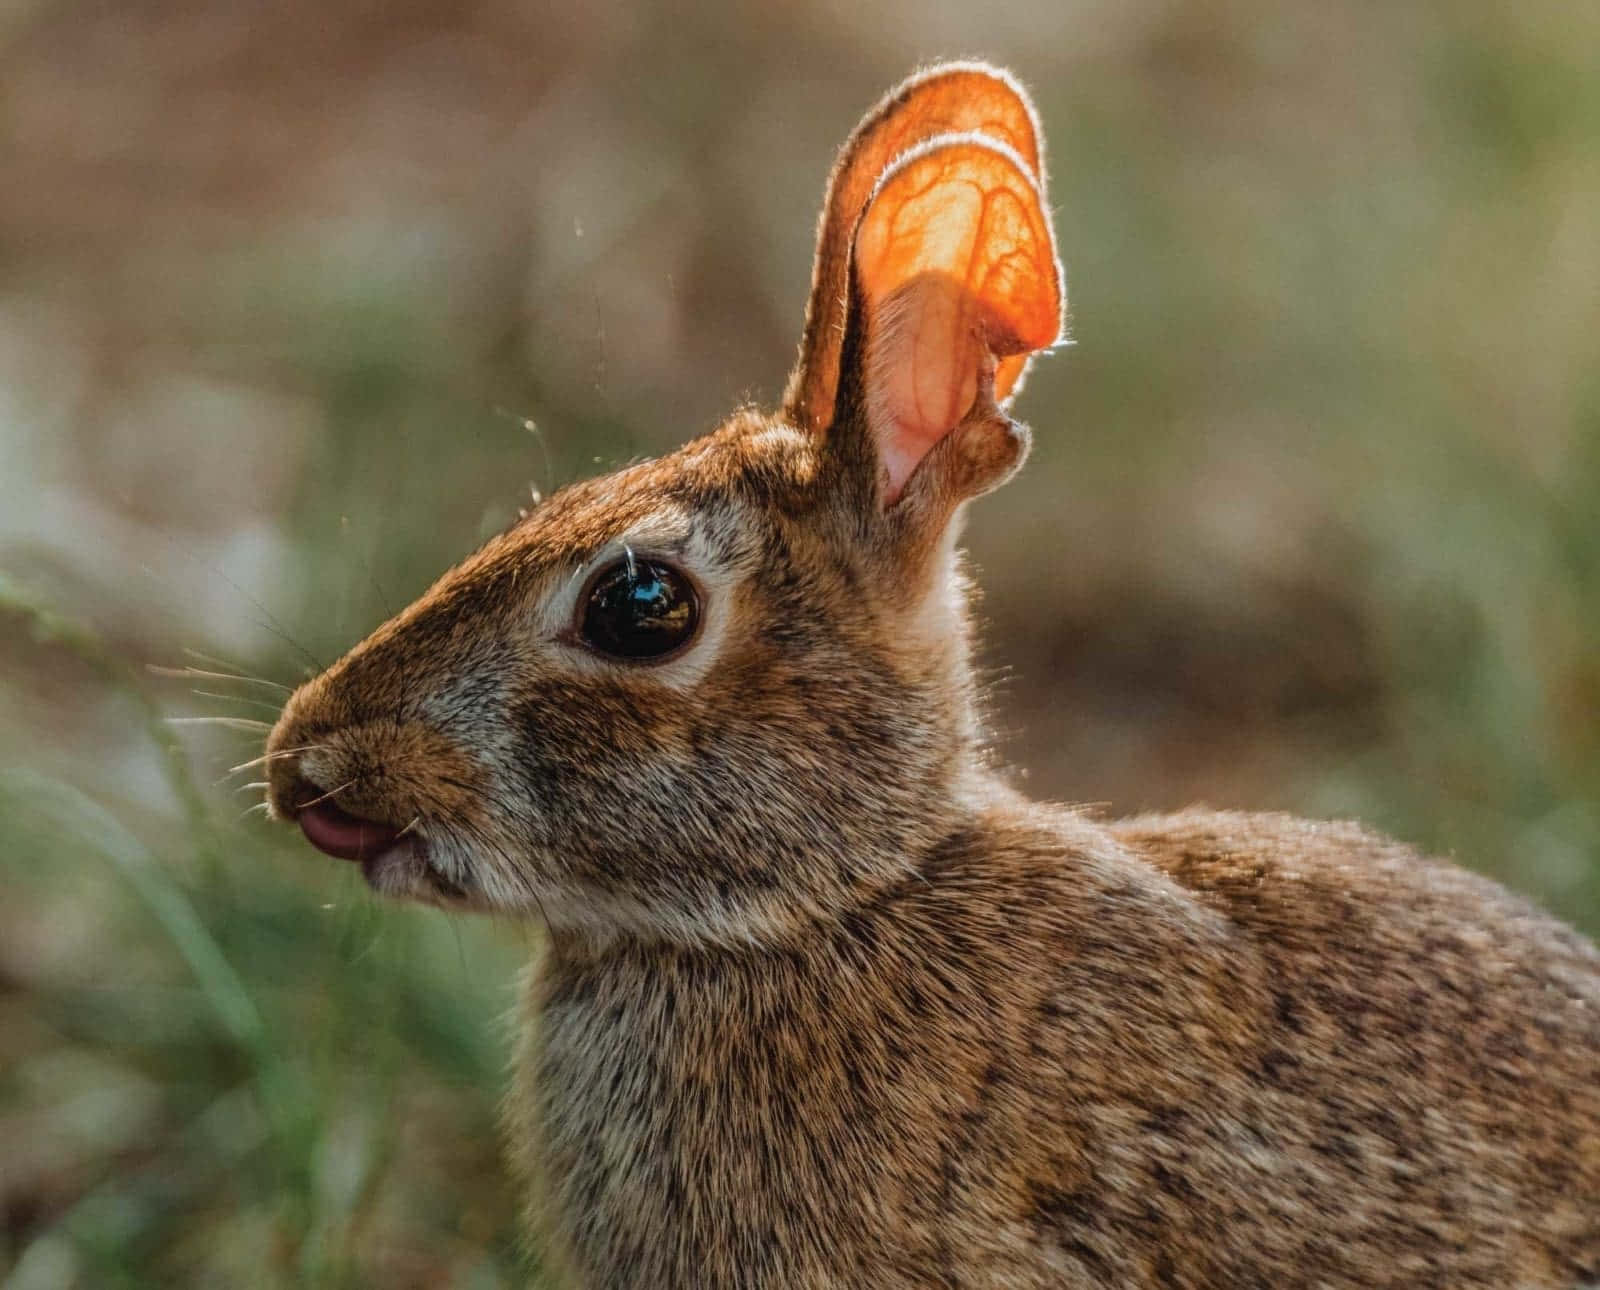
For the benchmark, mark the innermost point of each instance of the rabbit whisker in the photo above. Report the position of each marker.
(190, 673)
(273, 708)
(227, 723)
(332, 792)
(271, 756)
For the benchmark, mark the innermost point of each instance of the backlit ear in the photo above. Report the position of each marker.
(952, 98)
(956, 278)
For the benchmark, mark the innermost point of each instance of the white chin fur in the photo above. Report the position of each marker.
(398, 871)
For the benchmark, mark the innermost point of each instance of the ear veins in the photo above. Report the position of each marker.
(950, 320)
(954, 98)
(953, 257)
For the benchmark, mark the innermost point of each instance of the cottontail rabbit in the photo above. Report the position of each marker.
(825, 1004)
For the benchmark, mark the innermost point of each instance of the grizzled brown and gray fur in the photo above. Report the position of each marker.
(823, 1003)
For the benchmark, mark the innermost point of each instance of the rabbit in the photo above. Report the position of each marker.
(822, 1000)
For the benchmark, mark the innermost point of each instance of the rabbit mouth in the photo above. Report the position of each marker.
(337, 832)
(393, 860)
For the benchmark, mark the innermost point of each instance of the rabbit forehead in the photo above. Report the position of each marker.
(719, 485)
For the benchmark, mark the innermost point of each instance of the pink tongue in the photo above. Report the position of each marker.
(344, 835)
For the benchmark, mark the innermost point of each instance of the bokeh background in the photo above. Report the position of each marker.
(298, 299)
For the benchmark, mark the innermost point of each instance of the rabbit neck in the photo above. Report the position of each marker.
(592, 928)
(639, 1064)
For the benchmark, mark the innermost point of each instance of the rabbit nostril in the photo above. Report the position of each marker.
(334, 830)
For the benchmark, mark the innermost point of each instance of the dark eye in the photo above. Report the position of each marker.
(638, 609)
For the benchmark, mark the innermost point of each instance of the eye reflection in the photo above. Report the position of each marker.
(639, 610)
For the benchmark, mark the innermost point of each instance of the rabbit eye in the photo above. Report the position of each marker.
(639, 610)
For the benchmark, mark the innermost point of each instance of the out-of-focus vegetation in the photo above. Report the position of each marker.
(1313, 521)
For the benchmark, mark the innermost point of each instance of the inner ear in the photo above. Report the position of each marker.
(951, 98)
(954, 265)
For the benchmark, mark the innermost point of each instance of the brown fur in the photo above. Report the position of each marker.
(824, 1004)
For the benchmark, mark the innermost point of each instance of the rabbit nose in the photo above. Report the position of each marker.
(333, 829)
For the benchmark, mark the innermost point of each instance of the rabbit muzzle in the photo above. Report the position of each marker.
(372, 789)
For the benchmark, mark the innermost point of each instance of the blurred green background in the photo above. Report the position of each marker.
(298, 299)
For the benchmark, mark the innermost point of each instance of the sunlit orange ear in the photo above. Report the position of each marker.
(952, 98)
(953, 257)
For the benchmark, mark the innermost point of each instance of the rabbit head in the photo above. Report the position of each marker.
(714, 695)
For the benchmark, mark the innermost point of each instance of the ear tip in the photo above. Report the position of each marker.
(976, 68)
(962, 67)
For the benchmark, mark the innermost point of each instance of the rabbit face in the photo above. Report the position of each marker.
(717, 695)
(779, 758)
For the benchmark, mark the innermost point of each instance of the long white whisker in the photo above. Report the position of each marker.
(274, 708)
(188, 673)
(213, 661)
(227, 723)
(271, 756)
